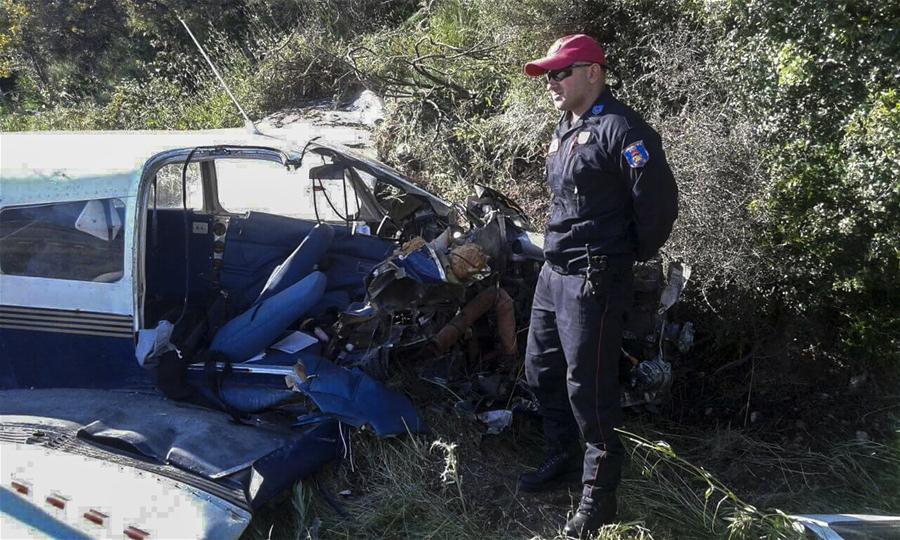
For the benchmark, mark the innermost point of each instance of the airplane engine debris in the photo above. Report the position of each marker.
(652, 340)
(468, 262)
(654, 376)
(675, 283)
(429, 294)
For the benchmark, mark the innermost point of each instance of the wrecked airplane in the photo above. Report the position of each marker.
(212, 311)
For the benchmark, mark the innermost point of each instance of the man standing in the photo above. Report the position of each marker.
(614, 201)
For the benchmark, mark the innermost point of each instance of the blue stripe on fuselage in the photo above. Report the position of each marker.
(50, 359)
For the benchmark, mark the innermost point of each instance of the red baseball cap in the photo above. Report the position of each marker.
(566, 51)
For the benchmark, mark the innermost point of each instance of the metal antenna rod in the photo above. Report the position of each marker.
(249, 123)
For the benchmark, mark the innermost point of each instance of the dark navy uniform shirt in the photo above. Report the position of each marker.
(612, 187)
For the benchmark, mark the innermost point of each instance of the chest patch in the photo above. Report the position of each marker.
(554, 146)
(584, 137)
(636, 154)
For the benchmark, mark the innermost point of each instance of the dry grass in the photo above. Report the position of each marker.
(458, 483)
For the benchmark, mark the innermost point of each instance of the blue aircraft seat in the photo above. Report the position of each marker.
(300, 262)
(336, 300)
(361, 246)
(254, 246)
(351, 259)
(348, 272)
(259, 326)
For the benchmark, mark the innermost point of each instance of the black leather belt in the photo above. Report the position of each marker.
(578, 266)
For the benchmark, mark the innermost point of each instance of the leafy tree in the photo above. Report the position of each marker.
(821, 78)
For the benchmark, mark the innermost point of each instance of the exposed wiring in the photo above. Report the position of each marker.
(348, 450)
(343, 441)
(350, 446)
(312, 182)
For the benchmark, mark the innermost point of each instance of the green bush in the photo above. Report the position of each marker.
(822, 83)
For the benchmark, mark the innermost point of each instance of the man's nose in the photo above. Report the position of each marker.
(552, 85)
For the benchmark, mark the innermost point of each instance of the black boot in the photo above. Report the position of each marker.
(556, 467)
(593, 513)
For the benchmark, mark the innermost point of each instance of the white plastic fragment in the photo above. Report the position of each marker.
(496, 421)
(679, 273)
(295, 341)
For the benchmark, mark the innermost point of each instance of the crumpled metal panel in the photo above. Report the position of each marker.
(850, 526)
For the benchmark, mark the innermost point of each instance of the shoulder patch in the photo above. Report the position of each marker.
(583, 137)
(597, 109)
(636, 154)
(554, 145)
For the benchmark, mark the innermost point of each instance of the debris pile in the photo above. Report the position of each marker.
(439, 300)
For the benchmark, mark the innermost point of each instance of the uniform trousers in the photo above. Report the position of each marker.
(572, 365)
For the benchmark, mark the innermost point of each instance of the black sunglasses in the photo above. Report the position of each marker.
(559, 75)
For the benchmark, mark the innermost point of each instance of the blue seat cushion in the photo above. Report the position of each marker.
(259, 326)
(300, 262)
(361, 246)
(358, 399)
(333, 300)
(347, 271)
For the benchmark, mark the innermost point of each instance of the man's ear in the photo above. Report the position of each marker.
(597, 73)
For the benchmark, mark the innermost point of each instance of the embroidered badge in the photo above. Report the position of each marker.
(554, 146)
(597, 109)
(636, 155)
(583, 137)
